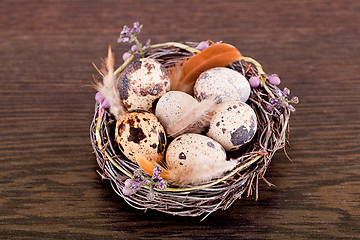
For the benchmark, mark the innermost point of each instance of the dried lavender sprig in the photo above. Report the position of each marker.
(131, 35)
(141, 179)
(277, 104)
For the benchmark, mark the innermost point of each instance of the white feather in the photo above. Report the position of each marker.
(200, 172)
(108, 87)
(194, 119)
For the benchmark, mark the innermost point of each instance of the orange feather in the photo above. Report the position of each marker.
(217, 55)
(148, 167)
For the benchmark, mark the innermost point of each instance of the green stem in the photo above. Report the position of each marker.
(260, 72)
(255, 63)
(122, 67)
(263, 81)
(140, 47)
(176, 44)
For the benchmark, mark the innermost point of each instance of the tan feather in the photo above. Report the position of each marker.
(176, 74)
(107, 87)
(148, 167)
(217, 55)
(198, 173)
(194, 119)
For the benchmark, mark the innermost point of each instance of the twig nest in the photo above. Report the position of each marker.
(224, 83)
(139, 133)
(193, 158)
(172, 106)
(141, 83)
(233, 125)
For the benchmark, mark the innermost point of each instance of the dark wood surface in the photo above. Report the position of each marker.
(49, 188)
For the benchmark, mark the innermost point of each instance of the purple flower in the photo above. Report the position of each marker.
(286, 92)
(141, 179)
(139, 175)
(254, 81)
(162, 184)
(274, 101)
(295, 100)
(131, 183)
(134, 48)
(99, 98)
(105, 104)
(136, 28)
(126, 191)
(131, 186)
(202, 45)
(126, 56)
(276, 105)
(125, 31)
(130, 35)
(157, 171)
(273, 79)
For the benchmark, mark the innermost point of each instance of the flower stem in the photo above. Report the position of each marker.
(260, 72)
(256, 64)
(263, 81)
(176, 44)
(122, 67)
(140, 47)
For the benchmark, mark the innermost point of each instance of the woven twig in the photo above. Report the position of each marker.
(213, 195)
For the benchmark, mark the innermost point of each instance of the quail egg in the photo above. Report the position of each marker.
(224, 83)
(139, 133)
(172, 105)
(142, 83)
(193, 158)
(233, 125)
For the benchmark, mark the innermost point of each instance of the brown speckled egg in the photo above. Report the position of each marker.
(233, 125)
(141, 83)
(172, 105)
(224, 83)
(139, 133)
(193, 158)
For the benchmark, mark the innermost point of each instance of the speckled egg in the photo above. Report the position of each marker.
(194, 158)
(233, 125)
(142, 83)
(139, 133)
(224, 83)
(172, 105)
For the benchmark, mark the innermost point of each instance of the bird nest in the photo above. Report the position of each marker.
(253, 159)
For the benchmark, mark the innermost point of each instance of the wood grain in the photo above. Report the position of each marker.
(49, 188)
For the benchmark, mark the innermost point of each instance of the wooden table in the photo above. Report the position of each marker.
(49, 187)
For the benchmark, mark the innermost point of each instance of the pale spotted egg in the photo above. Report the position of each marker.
(224, 83)
(194, 158)
(172, 105)
(233, 125)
